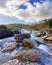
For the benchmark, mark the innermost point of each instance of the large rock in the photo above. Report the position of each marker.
(5, 33)
(28, 43)
(19, 37)
(48, 39)
(16, 62)
(28, 55)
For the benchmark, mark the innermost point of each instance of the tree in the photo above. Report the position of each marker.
(3, 27)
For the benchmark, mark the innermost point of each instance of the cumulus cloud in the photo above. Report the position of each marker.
(31, 13)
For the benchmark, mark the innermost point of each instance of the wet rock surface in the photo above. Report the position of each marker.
(4, 33)
(8, 48)
(27, 43)
(40, 33)
(39, 40)
(19, 37)
(48, 39)
(28, 55)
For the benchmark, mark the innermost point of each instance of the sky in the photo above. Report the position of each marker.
(24, 11)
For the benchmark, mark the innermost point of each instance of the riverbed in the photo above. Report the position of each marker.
(46, 58)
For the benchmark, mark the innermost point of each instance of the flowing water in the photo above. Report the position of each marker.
(46, 58)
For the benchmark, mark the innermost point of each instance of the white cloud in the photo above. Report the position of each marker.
(44, 10)
(41, 11)
(2, 3)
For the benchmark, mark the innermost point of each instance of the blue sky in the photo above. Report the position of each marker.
(24, 11)
(12, 20)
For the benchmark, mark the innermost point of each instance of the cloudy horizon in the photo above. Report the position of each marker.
(24, 11)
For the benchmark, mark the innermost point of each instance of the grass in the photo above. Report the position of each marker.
(45, 25)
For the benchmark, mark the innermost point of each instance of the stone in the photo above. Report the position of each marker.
(28, 55)
(27, 43)
(5, 33)
(9, 48)
(19, 37)
(40, 34)
(11, 62)
(48, 39)
(39, 40)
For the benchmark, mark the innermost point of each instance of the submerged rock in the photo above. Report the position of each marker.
(9, 47)
(28, 55)
(40, 34)
(11, 62)
(19, 37)
(39, 40)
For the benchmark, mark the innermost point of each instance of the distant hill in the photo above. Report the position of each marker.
(45, 25)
